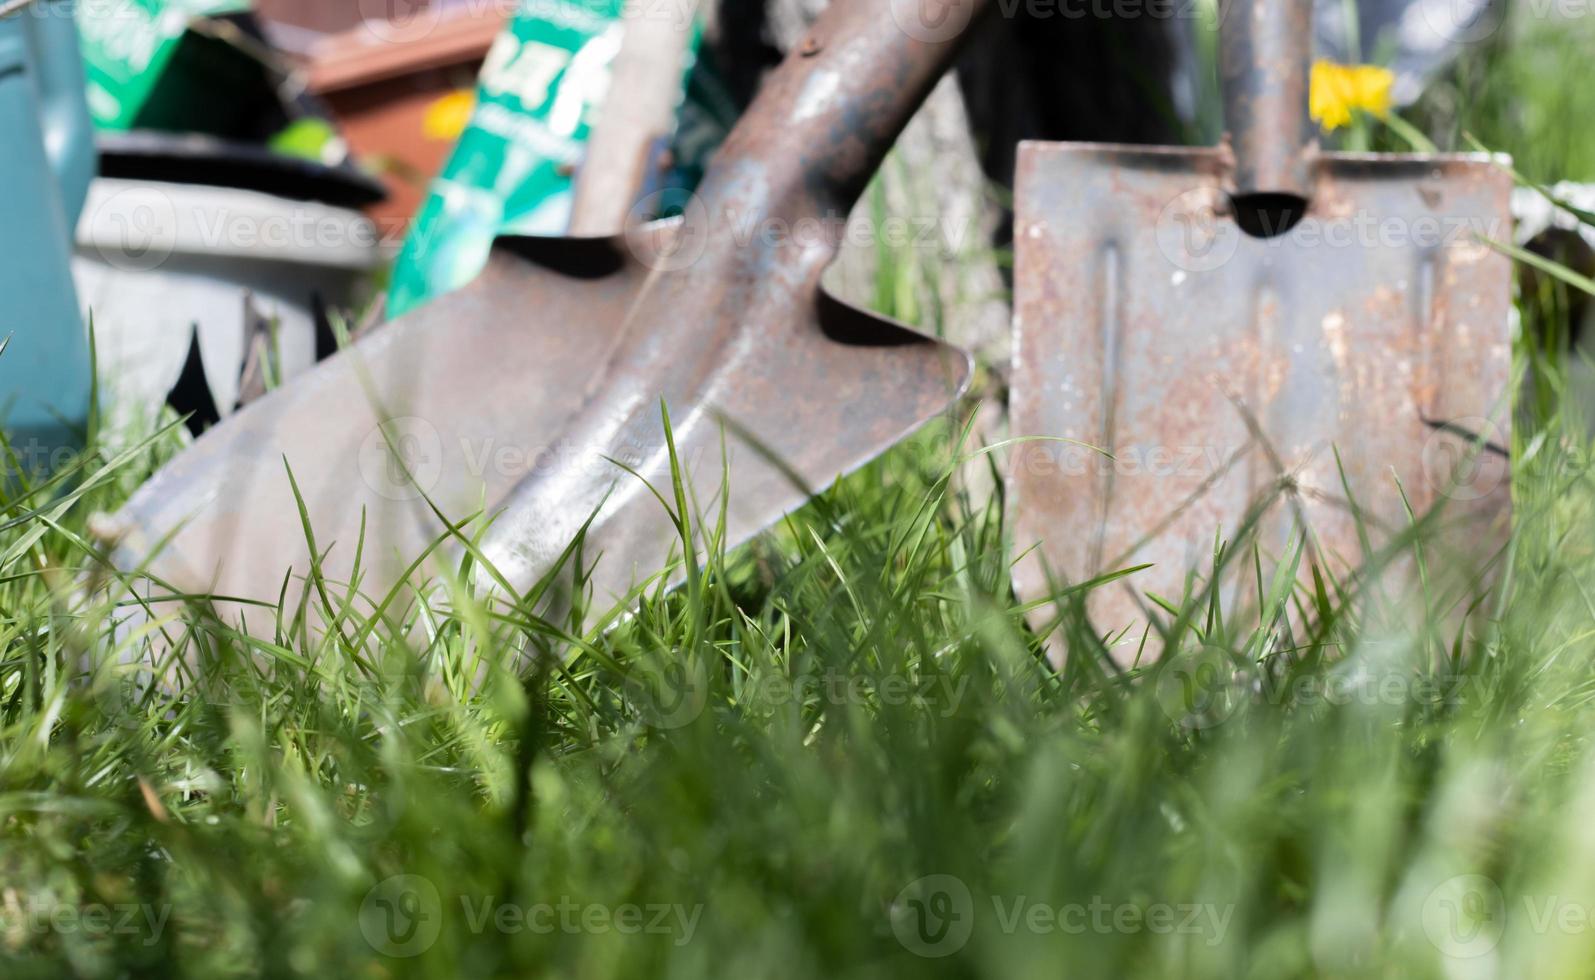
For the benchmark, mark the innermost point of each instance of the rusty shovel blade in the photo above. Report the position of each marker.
(533, 397)
(449, 401)
(1198, 370)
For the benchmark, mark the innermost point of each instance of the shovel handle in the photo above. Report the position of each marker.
(825, 119)
(647, 71)
(1265, 47)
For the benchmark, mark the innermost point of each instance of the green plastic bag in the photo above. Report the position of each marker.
(513, 169)
(151, 64)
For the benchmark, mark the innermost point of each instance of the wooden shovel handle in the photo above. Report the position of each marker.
(640, 110)
(827, 116)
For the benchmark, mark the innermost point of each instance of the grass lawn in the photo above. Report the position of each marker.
(839, 752)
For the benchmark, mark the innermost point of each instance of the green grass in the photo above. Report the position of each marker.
(822, 751)
(1522, 94)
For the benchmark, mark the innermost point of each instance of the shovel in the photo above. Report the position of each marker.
(534, 396)
(1259, 339)
(629, 137)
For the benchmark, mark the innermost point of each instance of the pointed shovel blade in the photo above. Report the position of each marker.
(456, 399)
(531, 400)
(804, 389)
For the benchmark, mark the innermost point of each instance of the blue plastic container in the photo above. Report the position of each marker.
(45, 169)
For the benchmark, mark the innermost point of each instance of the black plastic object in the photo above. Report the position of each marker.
(193, 159)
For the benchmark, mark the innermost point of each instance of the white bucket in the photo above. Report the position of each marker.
(154, 261)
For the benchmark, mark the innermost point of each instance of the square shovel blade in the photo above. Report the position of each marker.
(1198, 371)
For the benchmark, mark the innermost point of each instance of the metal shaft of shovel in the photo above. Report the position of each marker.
(1264, 50)
(734, 328)
(645, 79)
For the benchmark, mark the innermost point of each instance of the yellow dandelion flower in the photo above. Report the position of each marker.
(1340, 90)
(447, 118)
